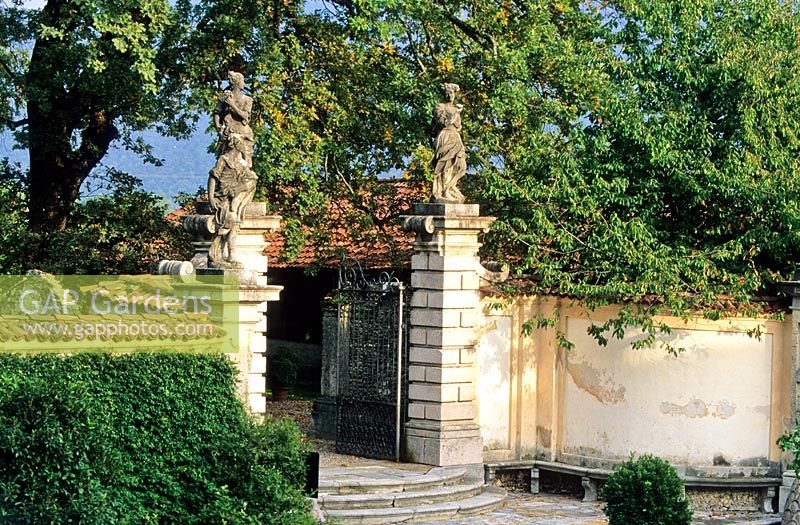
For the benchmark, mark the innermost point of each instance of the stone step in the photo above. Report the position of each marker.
(419, 496)
(375, 479)
(491, 498)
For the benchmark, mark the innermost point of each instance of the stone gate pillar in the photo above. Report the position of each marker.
(788, 488)
(253, 301)
(442, 427)
(254, 292)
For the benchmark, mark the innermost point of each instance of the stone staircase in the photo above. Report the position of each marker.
(394, 493)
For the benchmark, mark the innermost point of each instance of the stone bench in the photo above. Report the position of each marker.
(591, 476)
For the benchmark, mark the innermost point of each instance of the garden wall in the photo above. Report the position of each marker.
(716, 409)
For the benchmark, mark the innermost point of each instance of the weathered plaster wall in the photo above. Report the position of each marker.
(715, 409)
(494, 384)
(708, 406)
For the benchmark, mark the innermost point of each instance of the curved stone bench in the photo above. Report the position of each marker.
(591, 476)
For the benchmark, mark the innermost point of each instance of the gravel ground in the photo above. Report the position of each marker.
(297, 409)
(300, 411)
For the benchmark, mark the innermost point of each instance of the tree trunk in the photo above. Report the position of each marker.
(56, 112)
(53, 182)
(57, 170)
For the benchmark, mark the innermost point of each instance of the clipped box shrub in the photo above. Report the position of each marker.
(142, 438)
(646, 491)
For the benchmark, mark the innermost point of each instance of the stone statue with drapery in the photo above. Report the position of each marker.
(232, 181)
(449, 155)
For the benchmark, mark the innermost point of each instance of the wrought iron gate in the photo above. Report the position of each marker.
(372, 352)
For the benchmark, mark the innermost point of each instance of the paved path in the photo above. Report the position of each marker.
(520, 508)
(550, 509)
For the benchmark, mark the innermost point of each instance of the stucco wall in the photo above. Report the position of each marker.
(494, 384)
(716, 409)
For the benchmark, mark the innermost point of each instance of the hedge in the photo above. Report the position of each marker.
(141, 438)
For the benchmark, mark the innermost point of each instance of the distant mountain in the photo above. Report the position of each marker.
(185, 169)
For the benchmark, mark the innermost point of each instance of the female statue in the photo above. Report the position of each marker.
(232, 115)
(449, 157)
(231, 186)
(232, 182)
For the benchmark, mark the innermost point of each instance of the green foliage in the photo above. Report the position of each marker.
(284, 366)
(12, 218)
(124, 232)
(86, 73)
(633, 151)
(687, 168)
(645, 491)
(144, 438)
(790, 442)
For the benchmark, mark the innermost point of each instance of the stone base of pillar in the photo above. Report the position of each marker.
(323, 418)
(254, 292)
(443, 445)
(250, 303)
(785, 489)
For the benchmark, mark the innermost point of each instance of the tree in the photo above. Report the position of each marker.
(694, 158)
(352, 95)
(87, 73)
(126, 231)
(634, 151)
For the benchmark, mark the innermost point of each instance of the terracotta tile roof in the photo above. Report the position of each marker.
(176, 214)
(378, 242)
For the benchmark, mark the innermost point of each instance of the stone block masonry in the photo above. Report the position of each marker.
(442, 427)
(251, 302)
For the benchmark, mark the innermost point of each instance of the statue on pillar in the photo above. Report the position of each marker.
(449, 155)
(232, 182)
(232, 114)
